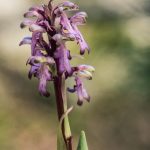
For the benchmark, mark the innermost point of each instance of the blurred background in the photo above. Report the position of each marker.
(118, 116)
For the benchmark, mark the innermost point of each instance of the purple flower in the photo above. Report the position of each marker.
(81, 72)
(40, 68)
(62, 55)
(44, 75)
(51, 28)
(81, 91)
(79, 19)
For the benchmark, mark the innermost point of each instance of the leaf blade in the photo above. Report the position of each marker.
(82, 145)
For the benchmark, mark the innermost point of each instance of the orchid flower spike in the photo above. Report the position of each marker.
(51, 29)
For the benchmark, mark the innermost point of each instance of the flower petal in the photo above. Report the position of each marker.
(61, 55)
(71, 90)
(67, 5)
(36, 8)
(26, 22)
(86, 67)
(80, 40)
(42, 88)
(26, 40)
(85, 74)
(33, 71)
(79, 18)
(32, 14)
(44, 76)
(81, 92)
(36, 28)
(35, 38)
(66, 26)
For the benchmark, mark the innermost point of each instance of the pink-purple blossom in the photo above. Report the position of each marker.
(51, 28)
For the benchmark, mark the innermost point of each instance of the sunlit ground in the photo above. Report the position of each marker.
(118, 116)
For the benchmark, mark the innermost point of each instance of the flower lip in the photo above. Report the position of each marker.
(83, 71)
(85, 74)
(86, 67)
(69, 6)
(25, 23)
(79, 18)
(82, 14)
(40, 59)
(35, 27)
(81, 91)
(36, 8)
(32, 14)
(26, 40)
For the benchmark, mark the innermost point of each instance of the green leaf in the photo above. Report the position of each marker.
(60, 140)
(66, 120)
(82, 145)
(67, 128)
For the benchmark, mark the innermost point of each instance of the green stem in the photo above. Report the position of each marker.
(61, 101)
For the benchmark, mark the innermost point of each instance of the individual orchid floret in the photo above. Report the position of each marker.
(62, 55)
(37, 43)
(63, 60)
(40, 68)
(44, 75)
(65, 6)
(86, 67)
(79, 18)
(66, 26)
(81, 91)
(64, 20)
(81, 72)
(84, 71)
